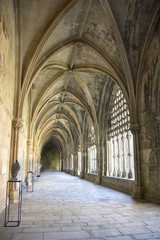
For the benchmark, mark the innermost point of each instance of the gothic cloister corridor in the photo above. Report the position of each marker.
(64, 207)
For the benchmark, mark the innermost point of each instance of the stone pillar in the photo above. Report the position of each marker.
(114, 158)
(99, 163)
(124, 174)
(29, 155)
(86, 161)
(33, 159)
(108, 160)
(17, 124)
(75, 164)
(118, 158)
(82, 163)
(138, 191)
(68, 160)
(130, 173)
(104, 160)
(36, 163)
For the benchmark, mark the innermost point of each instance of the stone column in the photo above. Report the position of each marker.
(33, 159)
(138, 191)
(118, 158)
(130, 173)
(99, 163)
(29, 155)
(17, 124)
(114, 158)
(107, 157)
(82, 163)
(86, 161)
(104, 162)
(124, 174)
(75, 164)
(36, 163)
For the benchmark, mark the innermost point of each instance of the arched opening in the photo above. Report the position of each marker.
(50, 158)
(120, 140)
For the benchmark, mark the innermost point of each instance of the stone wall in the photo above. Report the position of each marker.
(7, 83)
(150, 133)
(90, 177)
(123, 185)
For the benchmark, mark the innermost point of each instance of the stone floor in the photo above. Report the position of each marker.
(66, 207)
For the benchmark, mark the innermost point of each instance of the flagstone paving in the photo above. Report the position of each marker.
(64, 207)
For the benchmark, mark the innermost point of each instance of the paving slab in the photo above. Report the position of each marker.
(63, 207)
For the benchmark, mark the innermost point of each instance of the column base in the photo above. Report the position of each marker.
(138, 192)
(98, 180)
(119, 173)
(130, 174)
(81, 175)
(124, 174)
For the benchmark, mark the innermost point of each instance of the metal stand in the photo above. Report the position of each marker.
(30, 182)
(16, 207)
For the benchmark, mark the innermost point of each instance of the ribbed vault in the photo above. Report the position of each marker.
(72, 54)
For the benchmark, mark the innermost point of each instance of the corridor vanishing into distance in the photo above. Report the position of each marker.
(65, 207)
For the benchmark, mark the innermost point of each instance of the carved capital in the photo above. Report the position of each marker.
(17, 123)
(135, 128)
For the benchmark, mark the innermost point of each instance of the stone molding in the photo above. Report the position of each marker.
(135, 128)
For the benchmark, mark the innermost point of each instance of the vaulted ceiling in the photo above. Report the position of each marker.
(69, 53)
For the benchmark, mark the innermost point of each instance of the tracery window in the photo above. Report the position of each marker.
(92, 153)
(120, 160)
(79, 163)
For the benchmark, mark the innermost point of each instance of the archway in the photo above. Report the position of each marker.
(50, 157)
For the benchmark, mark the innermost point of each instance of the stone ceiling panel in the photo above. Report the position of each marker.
(67, 28)
(60, 59)
(98, 30)
(87, 57)
(35, 17)
(95, 82)
(46, 76)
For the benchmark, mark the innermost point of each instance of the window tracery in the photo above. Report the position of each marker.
(120, 163)
(92, 153)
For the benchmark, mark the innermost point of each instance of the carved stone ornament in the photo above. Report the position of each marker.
(135, 128)
(17, 123)
(15, 169)
(69, 73)
(79, 45)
